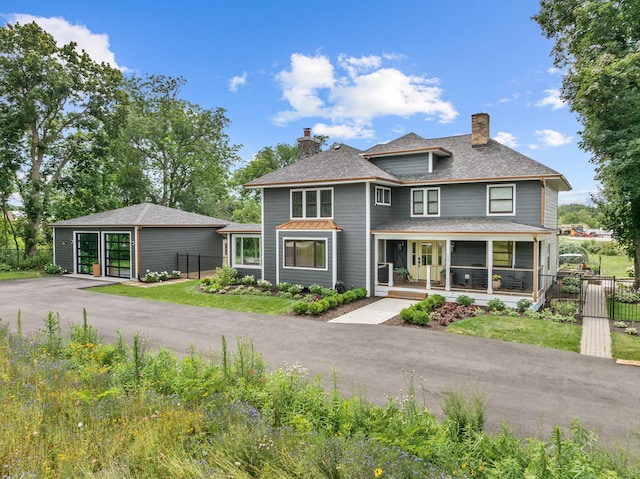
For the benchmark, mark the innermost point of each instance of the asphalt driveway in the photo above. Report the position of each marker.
(531, 388)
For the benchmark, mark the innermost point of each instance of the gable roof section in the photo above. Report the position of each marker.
(466, 163)
(339, 164)
(144, 214)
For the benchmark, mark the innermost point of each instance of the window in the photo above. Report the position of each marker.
(383, 196)
(503, 253)
(246, 251)
(425, 202)
(312, 203)
(501, 200)
(305, 253)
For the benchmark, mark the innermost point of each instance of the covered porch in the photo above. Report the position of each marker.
(509, 265)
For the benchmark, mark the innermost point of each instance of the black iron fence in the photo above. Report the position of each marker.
(197, 264)
(597, 296)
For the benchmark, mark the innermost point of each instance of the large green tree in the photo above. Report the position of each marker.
(51, 98)
(597, 45)
(247, 208)
(178, 150)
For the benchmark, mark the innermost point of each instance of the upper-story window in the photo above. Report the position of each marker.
(383, 196)
(317, 203)
(425, 202)
(501, 199)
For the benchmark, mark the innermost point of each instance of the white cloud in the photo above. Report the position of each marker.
(509, 99)
(571, 197)
(357, 91)
(237, 81)
(553, 71)
(506, 139)
(552, 99)
(95, 44)
(344, 131)
(553, 138)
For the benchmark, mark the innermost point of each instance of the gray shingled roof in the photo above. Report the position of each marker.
(335, 164)
(459, 225)
(465, 163)
(241, 228)
(492, 161)
(145, 214)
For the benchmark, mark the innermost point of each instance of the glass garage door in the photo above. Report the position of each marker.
(87, 252)
(118, 255)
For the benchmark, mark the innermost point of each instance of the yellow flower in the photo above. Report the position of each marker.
(377, 472)
(464, 465)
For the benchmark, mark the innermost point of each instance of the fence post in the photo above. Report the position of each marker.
(613, 300)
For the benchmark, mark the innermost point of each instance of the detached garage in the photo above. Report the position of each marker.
(129, 242)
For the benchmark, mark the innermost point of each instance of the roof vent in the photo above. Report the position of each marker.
(336, 147)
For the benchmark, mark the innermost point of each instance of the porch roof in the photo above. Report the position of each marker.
(464, 225)
(309, 225)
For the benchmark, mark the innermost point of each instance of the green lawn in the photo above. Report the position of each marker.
(537, 332)
(26, 274)
(615, 266)
(188, 293)
(624, 311)
(625, 346)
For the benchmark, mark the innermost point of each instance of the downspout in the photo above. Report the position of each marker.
(262, 258)
(334, 259)
(543, 200)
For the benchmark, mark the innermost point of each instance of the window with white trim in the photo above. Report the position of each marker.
(316, 203)
(383, 196)
(246, 251)
(501, 199)
(503, 253)
(305, 253)
(425, 202)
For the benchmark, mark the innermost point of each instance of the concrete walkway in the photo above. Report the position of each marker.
(374, 313)
(596, 335)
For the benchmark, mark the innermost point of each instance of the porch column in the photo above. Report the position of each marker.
(490, 266)
(447, 265)
(536, 266)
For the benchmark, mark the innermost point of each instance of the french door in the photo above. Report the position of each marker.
(426, 260)
(117, 255)
(87, 252)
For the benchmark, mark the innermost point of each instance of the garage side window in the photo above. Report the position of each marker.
(246, 251)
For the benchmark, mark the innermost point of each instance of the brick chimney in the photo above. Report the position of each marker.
(308, 146)
(479, 129)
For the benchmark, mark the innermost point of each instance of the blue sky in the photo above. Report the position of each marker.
(361, 72)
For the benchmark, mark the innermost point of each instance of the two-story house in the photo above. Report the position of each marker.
(414, 214)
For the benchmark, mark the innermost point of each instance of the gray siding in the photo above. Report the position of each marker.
(551, 208)
(159, 248)
(305, 277)
(350, 214)
(405, 165)
(63, 248)
(276, 212)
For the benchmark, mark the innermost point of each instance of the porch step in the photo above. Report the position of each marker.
(399, 294)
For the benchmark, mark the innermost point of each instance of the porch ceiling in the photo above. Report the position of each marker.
(461, 225)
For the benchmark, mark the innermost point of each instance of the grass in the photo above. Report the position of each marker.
(615, 266)
(187, 293)
(625, 346)
(537, 332)
(74, 407)
(23, 274)
(624, 311)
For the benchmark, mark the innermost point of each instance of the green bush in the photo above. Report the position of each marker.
(263, 283)
(295, 289)
(284, 286)
(248, 280)
(301, 307)
(524, 304)
(564, 308)
(223, 276)
(350, 296)
(414, 314)
(316, 307)
(285, 295)
(315, 289)
(496, 304)
(571, 281)
(51, 268)
(328, 291)
(623, 296)
(465, 300)
(332, 300)
(360, 293)
(431, 302)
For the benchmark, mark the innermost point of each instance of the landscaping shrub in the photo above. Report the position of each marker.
(431, 302)
(465, 300)
(571, 285)
(449, 312)
(317, 307)
(264, 284)
(285, 294)
(224, 276)
(301, 307)
(284, 286)
(624, 296)
(332, 300)
(328, 291)
(524, 304)
(315, 289)
(360, 293)
(295, 289)
(350, 296)
(564, 308)
(248, 280)
(51, 268)
(413, 314)
(496, 304)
